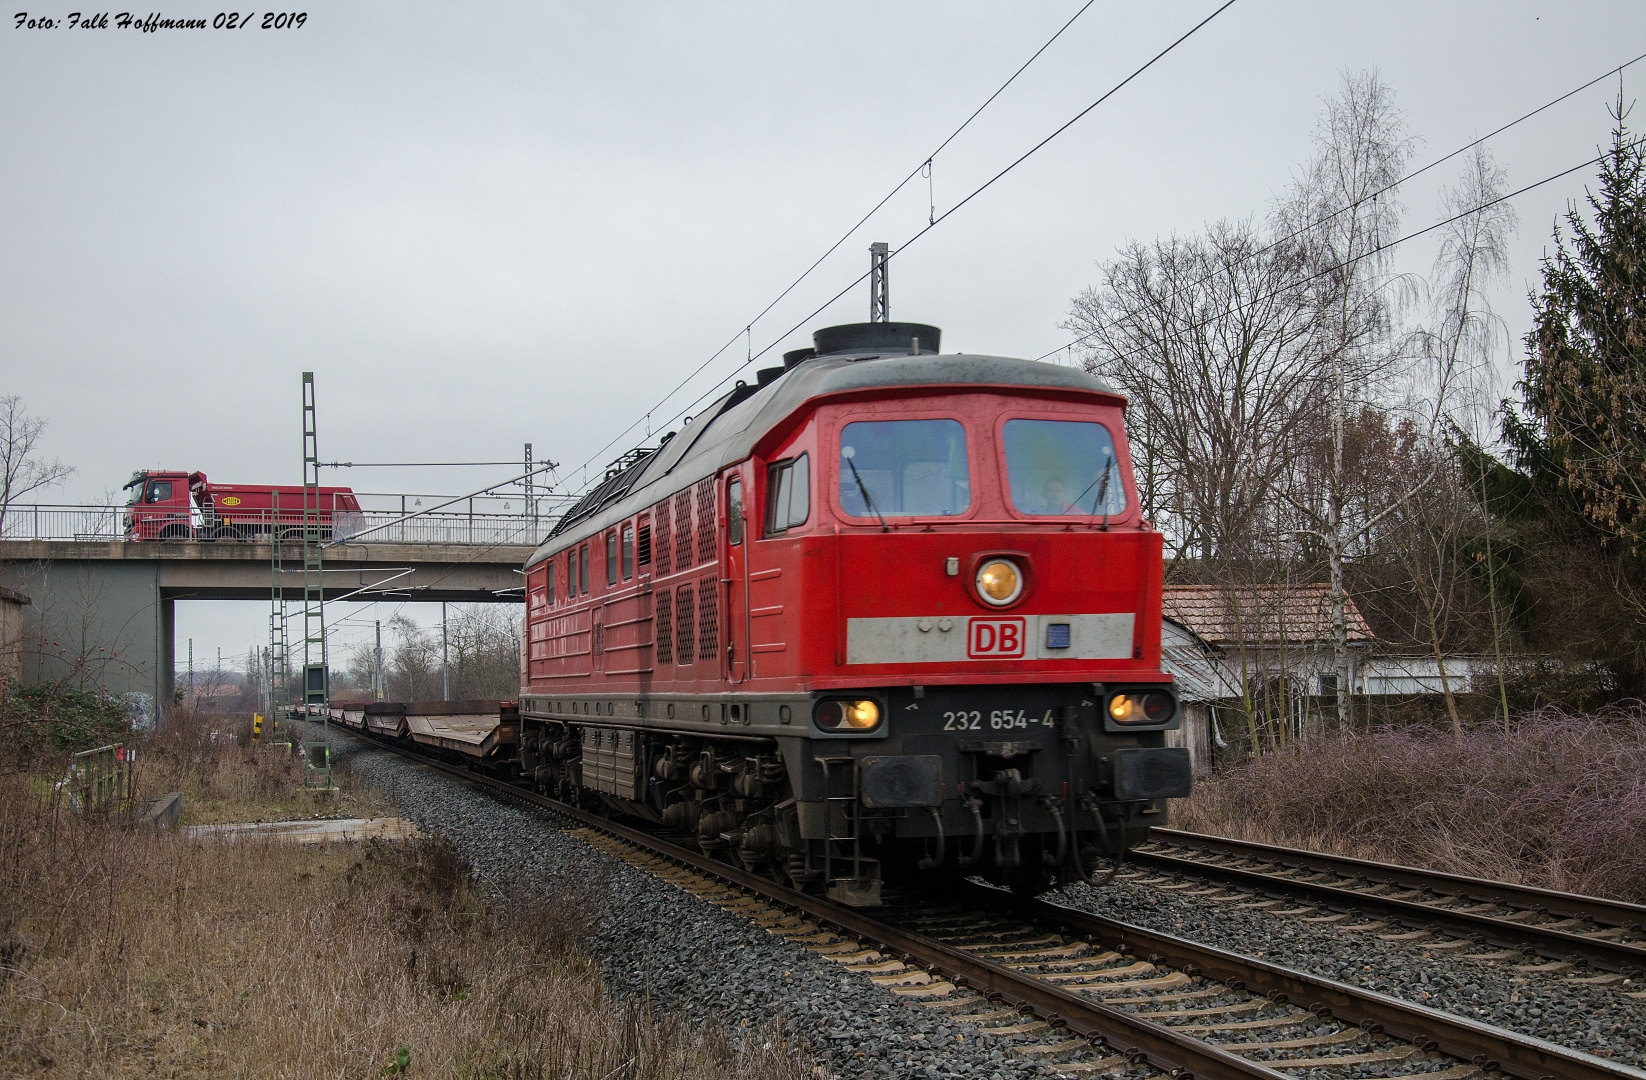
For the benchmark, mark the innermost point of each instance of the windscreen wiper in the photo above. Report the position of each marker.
(862, 489)
(1101, 483)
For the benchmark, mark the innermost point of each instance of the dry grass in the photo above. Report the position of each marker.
(225, 777)
(137, 953)
(1553, 800)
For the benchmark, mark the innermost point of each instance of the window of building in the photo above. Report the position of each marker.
(788, 494)
(904, 468)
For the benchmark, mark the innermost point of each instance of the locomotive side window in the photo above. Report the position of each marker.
(788, 494)
(548, 575)
(904, 468)
(628, 552)
(1063, 467)
(611, 558)
(734, 512)
(583, 570)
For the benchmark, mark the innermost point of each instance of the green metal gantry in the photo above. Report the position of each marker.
(316, 673)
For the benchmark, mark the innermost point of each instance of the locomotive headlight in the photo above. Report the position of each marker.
(999, 582)
(847, 715)
(1155, 707)
(861, 715)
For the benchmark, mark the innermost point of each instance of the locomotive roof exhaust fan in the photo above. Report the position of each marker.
(878, 339)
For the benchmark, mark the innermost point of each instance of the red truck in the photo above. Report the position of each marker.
(187, 506)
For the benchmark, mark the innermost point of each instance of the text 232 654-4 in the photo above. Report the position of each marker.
(997, 720)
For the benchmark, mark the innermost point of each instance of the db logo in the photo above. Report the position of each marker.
(994, 639)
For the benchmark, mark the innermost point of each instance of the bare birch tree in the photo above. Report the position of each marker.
(1458, 382)
(1458, 391)
(1344, 206)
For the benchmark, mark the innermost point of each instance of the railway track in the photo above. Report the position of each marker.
(1565, 930)
(1086, 995)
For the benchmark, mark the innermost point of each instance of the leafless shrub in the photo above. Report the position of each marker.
(1552, 799)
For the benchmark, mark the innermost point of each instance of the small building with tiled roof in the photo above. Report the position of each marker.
(1252, 635)
(1264, 647)
(1270, 648)
(1259, 616)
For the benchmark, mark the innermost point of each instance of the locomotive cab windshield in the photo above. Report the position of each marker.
(1061, 467)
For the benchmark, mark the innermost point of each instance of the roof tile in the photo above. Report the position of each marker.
(1263, 615)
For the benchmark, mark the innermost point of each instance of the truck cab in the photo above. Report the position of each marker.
(159, 505)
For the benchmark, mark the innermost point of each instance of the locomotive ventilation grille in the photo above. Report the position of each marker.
(705, 521)
(684, 626)
(664, 631)
(683, 530)
(708, 619)
(665, 555)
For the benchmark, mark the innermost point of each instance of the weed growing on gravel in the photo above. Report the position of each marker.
(1552, 799)
(127, 953)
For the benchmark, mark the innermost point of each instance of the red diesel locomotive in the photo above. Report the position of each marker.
(885, 613)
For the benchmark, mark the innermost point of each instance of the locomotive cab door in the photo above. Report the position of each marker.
(735, 578)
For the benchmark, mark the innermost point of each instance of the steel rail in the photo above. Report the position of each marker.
(1553, 942)
(1514, 1054)
(1481, 1044)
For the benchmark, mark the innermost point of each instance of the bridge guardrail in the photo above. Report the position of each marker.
(104, 523)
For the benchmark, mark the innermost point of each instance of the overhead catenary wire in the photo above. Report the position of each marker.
(931, 224)
(1320, 222)
(924, 168)
(407, 464)
(547, 467)
(1290, 285)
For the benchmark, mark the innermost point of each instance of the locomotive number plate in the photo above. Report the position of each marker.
(994, 719)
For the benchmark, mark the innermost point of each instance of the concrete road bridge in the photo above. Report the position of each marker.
(101, 609)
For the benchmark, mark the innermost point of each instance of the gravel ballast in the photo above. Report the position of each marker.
(682, 953)
(1596, 1020)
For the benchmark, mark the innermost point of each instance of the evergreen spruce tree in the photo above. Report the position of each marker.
(1582, 434)
(1577, 507)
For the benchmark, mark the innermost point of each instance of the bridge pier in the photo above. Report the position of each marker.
(166, 664)
(104, 627)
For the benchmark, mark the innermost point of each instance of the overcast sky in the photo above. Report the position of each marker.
(481, 225)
